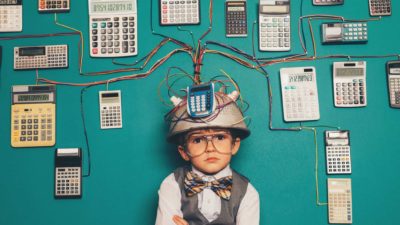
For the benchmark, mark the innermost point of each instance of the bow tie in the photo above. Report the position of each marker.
(194, 184)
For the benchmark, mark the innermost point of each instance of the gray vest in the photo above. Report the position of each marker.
(229, 209)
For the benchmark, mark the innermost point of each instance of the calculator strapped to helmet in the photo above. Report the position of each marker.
(227, 115)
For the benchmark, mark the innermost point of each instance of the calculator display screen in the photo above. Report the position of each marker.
(350, 72)
(8, 2)
(204, 88)
(120, 6)
(235, 9)
(33, 98)
(32, 51)
(274, 9)
(300, 78)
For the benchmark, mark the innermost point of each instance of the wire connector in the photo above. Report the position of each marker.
(234, 95)
(175, 100)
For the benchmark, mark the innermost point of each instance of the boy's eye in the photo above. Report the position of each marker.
(197, 140)
(220, 137)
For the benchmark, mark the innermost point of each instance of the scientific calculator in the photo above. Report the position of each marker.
(113, 28)
(10, 15)
(380, 7)
(110, 109)
(68, 173)
(299, 94)
(349, 84)
(337, 146)
(236, 18)
(33, 116)
(41, 57)
(344, 33)
(393, 73)
(328, 2)
(274, 25)
(340, 201)
(53, 6)
(182, 12)
(201, 100)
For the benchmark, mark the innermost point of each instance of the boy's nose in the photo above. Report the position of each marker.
(210, 146)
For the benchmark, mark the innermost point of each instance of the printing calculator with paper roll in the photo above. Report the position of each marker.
(201, 100)
(345, 33)
(33, 116)
(68, 173)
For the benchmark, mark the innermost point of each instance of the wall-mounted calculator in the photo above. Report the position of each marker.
(11, 16)
(350, 84)
(299, 94)
(201, 100)
(113, 28)
(41, 57)
(337, 147)
(340, 201)
(393, 75)
(33, 116)
(68, 173)
(53, 6)
(110, 109)
(380, 7)
(328, 2)
(183, 12)
(236, 18)
(274, 25)
(344, 33)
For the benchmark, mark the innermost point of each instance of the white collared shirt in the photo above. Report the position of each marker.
(209, 203)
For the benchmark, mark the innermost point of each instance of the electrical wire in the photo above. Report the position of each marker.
(83, 90)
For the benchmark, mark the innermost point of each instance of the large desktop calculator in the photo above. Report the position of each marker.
(110, 109)
(380, 7)
(299, 94)
(182, 12)
(340, 201)
(236, 18)
(328, 2)
(41, 57)
(113, 28)
(337, 146)
(393, 73)
(10, 15)
(274, 25)
(53, 6)
(33, 116)
(68, 173)
(344, 33)
(349, 84)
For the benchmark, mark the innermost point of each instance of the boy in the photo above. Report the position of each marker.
(208, 191)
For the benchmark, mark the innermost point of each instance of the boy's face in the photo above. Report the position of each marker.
(209, 150)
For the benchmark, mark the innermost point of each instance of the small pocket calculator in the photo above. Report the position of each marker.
(393, 74)
(53, 6)
(68, 173)
(337, 146)
(340, 201)
(299, 94)
(236, 18)
(10, 15)
(201, 100)
(349, 84)
(328, 2)
(274, 25)
(183, 12)
(110, 109)
(344, 33)
(33, 116)
(380, 7)
(41, 57)
(113, 28)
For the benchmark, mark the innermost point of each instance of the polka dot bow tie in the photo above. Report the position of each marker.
(194, 184)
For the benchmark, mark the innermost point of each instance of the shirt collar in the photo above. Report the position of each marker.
(223, 173)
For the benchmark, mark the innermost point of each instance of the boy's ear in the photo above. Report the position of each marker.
(235, 146)
(183, 154)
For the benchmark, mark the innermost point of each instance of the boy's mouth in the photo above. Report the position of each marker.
(212, 159)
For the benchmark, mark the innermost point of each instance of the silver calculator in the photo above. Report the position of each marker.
(393, 73)
(337, 146)
(182, 12)
(41, 57)
(110, 109)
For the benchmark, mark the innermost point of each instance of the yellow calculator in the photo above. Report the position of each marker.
(33, 116)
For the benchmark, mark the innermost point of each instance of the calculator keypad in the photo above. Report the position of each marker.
(236, 20)
(53, 5)
(10, 18)
(56, 56)
(380, 7)
(350, 94)
(328, 2)
(355, 32)
(200, 103)
(340, 201)
(179, 12)
(113, 36)
(68, 181)
(111, 117)
(394, 87)
(275, 34)
(338, 160)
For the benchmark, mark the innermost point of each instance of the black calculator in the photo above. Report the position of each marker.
(68, 173)
(236, 18)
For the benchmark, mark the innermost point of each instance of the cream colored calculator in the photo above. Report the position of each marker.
(33, 116)
(340, 201)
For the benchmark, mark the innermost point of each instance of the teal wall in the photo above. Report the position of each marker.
(129, 164)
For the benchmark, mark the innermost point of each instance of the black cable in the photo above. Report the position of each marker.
(85, 131)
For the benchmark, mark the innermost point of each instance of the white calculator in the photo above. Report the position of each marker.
(68, 173)
(349, 84)
(41, 57)
(51, 6)
(340, 201)
(337, 146)
(274, 25)
(299, 94)
(10, 15)
(182, 12)
(113, 28)
(110, 109)
(393, 73)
